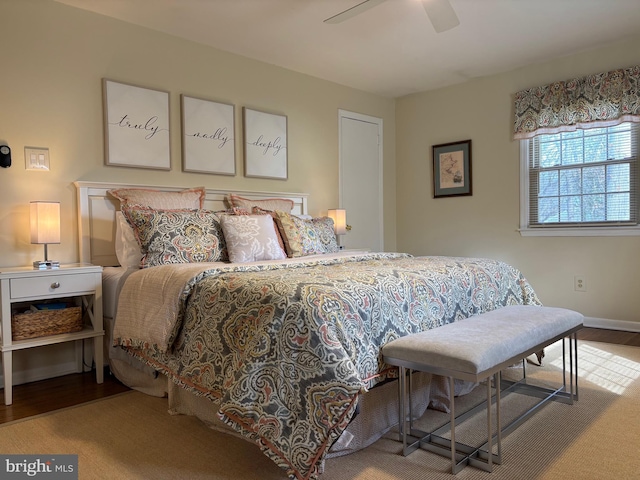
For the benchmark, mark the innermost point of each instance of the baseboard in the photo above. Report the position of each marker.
(34, 364)
(36, 374)
(609, 324)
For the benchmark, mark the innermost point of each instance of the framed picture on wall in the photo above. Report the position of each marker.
(136, 126)
(265, 144)
(208, 136)
(452, 169)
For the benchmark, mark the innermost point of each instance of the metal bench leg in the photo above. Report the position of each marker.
(452, 408)
(410, 399)
(489, 425)
(402, 414)
(575, 352)
(498, 380)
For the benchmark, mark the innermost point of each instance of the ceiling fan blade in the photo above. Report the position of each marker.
(442, 15)
(353, 11)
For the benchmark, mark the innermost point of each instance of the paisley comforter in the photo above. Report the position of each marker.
(285, 349)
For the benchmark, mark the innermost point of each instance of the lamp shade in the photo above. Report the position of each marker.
(339, 217)
(45, 222)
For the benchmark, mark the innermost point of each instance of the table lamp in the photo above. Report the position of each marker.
(339, 217)
(45, 229)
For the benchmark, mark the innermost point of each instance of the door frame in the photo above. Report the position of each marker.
(376, 121)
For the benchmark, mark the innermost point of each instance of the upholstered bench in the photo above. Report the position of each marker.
(476, 349)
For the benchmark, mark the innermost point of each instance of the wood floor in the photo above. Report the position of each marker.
(61, 392)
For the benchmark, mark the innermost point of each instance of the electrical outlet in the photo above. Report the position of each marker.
(579, 283)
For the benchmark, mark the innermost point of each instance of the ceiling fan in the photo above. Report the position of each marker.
(440, 13)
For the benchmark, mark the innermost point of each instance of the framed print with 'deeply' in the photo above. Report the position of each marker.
(265, 144)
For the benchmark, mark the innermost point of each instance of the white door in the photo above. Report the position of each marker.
(361, 180)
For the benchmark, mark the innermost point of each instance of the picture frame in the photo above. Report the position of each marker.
(208, 136)
(265, 144)
(452, 169)
(136, 126)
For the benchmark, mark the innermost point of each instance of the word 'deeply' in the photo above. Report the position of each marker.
(56, 467)
(275, 145)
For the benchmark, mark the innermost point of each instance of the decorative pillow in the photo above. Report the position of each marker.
(250, 238)
(291, 235)
(306, 237)
(260, 211)
(176, 236)
(191, 198)
(324, 233)
(127, 247)
(281, 204)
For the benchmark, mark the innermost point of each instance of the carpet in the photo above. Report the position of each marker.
(131, 436)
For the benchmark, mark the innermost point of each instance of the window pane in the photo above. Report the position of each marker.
(620, 146)
(593, 208)
(618, 207)
(623, 127)
(572, 152)
(618, 178)
(570, 182)
(548, 210)
(595, 148)
(549, 154)
(574, 134)
(595, 131)
(593, 180)
(571, 208)
(548, 185)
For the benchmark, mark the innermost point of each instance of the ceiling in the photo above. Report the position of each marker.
(391, 49)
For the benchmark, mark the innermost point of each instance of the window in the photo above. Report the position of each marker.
(582, 180)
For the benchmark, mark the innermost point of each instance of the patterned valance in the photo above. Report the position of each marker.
(600, 100)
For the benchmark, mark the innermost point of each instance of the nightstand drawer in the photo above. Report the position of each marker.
(51, 284)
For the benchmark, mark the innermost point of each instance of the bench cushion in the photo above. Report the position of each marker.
(477, 344)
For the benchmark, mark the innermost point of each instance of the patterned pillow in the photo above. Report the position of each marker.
(189, 198)
(176, 236)
(325, 233)
(306, 237)
(281, 204)
(250, 238)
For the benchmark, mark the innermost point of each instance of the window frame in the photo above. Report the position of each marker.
(558, 230)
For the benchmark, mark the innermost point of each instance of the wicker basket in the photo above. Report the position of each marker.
(46, 322)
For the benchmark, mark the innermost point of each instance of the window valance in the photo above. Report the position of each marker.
(600, 100)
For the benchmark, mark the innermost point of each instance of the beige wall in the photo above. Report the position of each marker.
(55, 56)
(485, 224)
(53, 60)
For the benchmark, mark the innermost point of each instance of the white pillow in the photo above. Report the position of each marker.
(127, 247)
(250, 238)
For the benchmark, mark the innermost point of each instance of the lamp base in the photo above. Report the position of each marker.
(45, 264)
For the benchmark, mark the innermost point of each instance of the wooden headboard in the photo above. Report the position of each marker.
(96, 214)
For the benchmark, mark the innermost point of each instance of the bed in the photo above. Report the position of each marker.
(285, 352)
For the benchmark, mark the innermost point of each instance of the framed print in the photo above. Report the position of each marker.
(265, 144)
(136, 124)
(452, 169)
(208, 137)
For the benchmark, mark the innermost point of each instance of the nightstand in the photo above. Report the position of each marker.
(22, 286)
